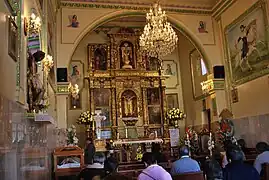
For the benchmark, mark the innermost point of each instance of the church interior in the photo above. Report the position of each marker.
(128, 76)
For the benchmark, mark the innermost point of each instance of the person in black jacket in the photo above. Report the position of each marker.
(89, 151)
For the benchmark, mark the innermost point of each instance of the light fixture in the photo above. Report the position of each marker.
(207, 86)
(47, 63)
(74, 90)
(159, 38)
(35, 24)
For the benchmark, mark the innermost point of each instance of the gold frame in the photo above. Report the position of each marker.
(91, 49)
(13, 53)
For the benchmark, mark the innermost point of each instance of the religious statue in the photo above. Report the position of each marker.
(126, 55)
(98, 118)
(128, 104)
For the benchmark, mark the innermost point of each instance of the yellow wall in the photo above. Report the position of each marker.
(253, 95)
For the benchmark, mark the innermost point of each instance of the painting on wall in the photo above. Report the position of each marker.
(234, 94)
(171, 72)
(75, 102)
(153, 95)
(247, 48)
(73, 21)
(154, 115)
(152, 64)
(172, 101)
(101, 97)
(100, 59)
(202, 27)
(76, 73)
(12, 39)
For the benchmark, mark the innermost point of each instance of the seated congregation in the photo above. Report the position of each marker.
(232, 162)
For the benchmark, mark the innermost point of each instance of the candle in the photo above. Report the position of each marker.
(118, 135)
(156, 135)
(126, 133)
(93, 126)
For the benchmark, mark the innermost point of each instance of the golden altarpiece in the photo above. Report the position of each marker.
(125, 87)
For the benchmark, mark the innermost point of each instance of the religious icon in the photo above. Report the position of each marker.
(101, 97)
(152, 64)
(129, 104)
(75, 73)
(75, 102)
(73, 21)
(126, 55)
(202, 27)
(100, 59)
(172, 101)
(154, 115)
(153, 96)
(98, 118)
(168, 71)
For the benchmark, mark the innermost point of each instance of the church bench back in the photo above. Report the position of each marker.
(266, 171)
(190, 176)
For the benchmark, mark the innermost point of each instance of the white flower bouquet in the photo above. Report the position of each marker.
(173, 115)
(71, 136)
(85, 118)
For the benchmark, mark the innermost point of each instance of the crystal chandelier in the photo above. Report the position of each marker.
(47, 63)
(74, 90)
(159, 38)
(35, 24)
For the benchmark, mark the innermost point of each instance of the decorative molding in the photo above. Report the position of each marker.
(62, 89)
(221, 7)
(177, 9)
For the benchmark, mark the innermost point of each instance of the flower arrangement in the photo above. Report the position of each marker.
(71, 136)
(85, 118)
(225, 131)
(173, 115)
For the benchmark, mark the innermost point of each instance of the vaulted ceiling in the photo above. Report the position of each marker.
(201, 4)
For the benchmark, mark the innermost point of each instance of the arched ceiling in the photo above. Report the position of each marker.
(201, 4)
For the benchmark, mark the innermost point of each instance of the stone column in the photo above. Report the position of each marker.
(62, 105)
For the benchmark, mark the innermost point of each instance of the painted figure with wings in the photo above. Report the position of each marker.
(73, 21)
(247, 41)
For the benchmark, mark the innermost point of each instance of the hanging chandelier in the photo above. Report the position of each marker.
(159, 38)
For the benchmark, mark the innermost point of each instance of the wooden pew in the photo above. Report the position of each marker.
(266, 171)
(190, 176)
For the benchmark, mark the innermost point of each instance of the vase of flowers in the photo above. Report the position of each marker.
(174, 115)
(72, 139)
(86, 119)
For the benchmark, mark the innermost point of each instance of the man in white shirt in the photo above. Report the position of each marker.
(263, 157)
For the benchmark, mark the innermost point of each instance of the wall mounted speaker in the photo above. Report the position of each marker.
(61, 74)
(219, 72)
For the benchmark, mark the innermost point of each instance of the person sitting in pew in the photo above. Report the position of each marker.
(213, 168)
(263, 157)
(237, 169)
(185, 164)
(153, 171)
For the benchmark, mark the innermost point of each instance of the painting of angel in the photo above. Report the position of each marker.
(73, 19)
(247, 45)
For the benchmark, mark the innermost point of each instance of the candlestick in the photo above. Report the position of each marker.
(126, 133)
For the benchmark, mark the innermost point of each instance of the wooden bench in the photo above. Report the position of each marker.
(190, 176)
(266, 171)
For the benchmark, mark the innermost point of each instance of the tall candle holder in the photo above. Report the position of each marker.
(211, 144)
(188, 143)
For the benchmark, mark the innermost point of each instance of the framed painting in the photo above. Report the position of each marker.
(101, 97)
(151, 64)
(234, 94)
(153, 96)
(76, 73)
(199, 73)
(12, 39)
(99, 57)
(246, 39)
(154, 114)
(75, 102)
(171, 72)
(172, 101)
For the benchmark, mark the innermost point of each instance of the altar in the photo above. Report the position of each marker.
(126, 90)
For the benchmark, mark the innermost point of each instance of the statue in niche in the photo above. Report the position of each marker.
(100, 59)
(126, 55)
(129, 104)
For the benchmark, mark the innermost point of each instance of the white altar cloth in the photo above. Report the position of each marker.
(148, 141)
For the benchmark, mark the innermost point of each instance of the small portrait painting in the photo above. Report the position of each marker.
(202, 27)
(172, 101)
(153, 96)
(12, 39)
(73, 21)
(101, 97)
(234, 94)
(75, 102)
(76, 73)
(100, 59)
(171, 72)
(152, 64)
(154, 115)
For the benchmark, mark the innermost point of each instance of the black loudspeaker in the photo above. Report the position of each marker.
(61, 74)
(219, 72)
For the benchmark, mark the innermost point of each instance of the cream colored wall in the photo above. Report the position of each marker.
(253, 96)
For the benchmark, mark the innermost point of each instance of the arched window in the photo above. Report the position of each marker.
(203, 67)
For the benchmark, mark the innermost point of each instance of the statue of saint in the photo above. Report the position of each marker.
(128, 105)
(126, 54)
(98, 118)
